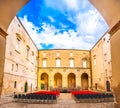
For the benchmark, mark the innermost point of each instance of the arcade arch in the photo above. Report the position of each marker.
(84, 81)
(71, 80)
(44, 81)
(109, 10)
(57, 80)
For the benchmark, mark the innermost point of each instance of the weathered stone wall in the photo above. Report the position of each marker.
(2, 56)
(115, 55)
(101, 70)
(18, 63)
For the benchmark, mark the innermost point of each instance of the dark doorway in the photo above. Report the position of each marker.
(26, 87)
(108, 86)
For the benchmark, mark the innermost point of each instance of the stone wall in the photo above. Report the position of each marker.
(20, 59)
(2, 56)
(101, 63)
(78, 56)
(115, 54)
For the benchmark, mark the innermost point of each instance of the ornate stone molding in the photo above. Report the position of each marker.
(115, 28)
(3, 33)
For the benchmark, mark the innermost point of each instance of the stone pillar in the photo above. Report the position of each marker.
(64, 80)
(3, 35)
(115, 57)
(89, 82)
(52, 79)
(78, 80)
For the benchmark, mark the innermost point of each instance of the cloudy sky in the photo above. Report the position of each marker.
(63, 24)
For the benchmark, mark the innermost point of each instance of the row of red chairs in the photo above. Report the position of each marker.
(57, 93)
(84, 92)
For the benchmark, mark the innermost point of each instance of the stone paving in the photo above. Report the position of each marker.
(63, 101)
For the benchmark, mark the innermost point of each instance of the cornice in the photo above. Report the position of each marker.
(3, 33)
(115, 28)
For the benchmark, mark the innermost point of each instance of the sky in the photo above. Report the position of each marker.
(62, 24)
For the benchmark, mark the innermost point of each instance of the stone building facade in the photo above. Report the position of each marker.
(101, 64)
(27, 68)
(64, 69)
(20, 68)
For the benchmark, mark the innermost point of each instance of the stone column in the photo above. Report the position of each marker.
(64, 80)
(78, 80)
(115, 57)
(52, 79)
(89, 82)
(3, 35)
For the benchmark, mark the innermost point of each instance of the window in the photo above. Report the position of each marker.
(15, 84)
(16, 69)
(44, 54)
(18, 42)
(58, 62)
(32, 58)
(44, 63)
(27, 52)
(103, 39)
(57, 54)
(94, 60)
(72, 63)
(84, 64)
(71, 54)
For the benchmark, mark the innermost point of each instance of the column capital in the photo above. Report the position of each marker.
(3, 33)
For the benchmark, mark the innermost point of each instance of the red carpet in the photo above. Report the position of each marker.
(47, 92)
(84, 92)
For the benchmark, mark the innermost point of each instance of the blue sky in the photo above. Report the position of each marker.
(62, 24)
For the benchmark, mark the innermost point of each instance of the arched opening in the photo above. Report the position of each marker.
(25, 87)
(44, 81)
(57, 80)
(110, 16)
(84, 81)
(71, 80)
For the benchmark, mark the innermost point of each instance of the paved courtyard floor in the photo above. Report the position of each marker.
(63, 101)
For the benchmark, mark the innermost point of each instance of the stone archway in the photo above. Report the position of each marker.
(57, 80)
(44, 81)
(84, 81)
(71, 80)
(109, 10)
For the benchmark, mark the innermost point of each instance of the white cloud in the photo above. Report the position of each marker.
(72, 4)
(32, 30)
(90, 22)
(68, 5)
(65, 40)
(51, 19)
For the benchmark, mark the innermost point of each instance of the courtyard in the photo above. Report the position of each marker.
(65, 100)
